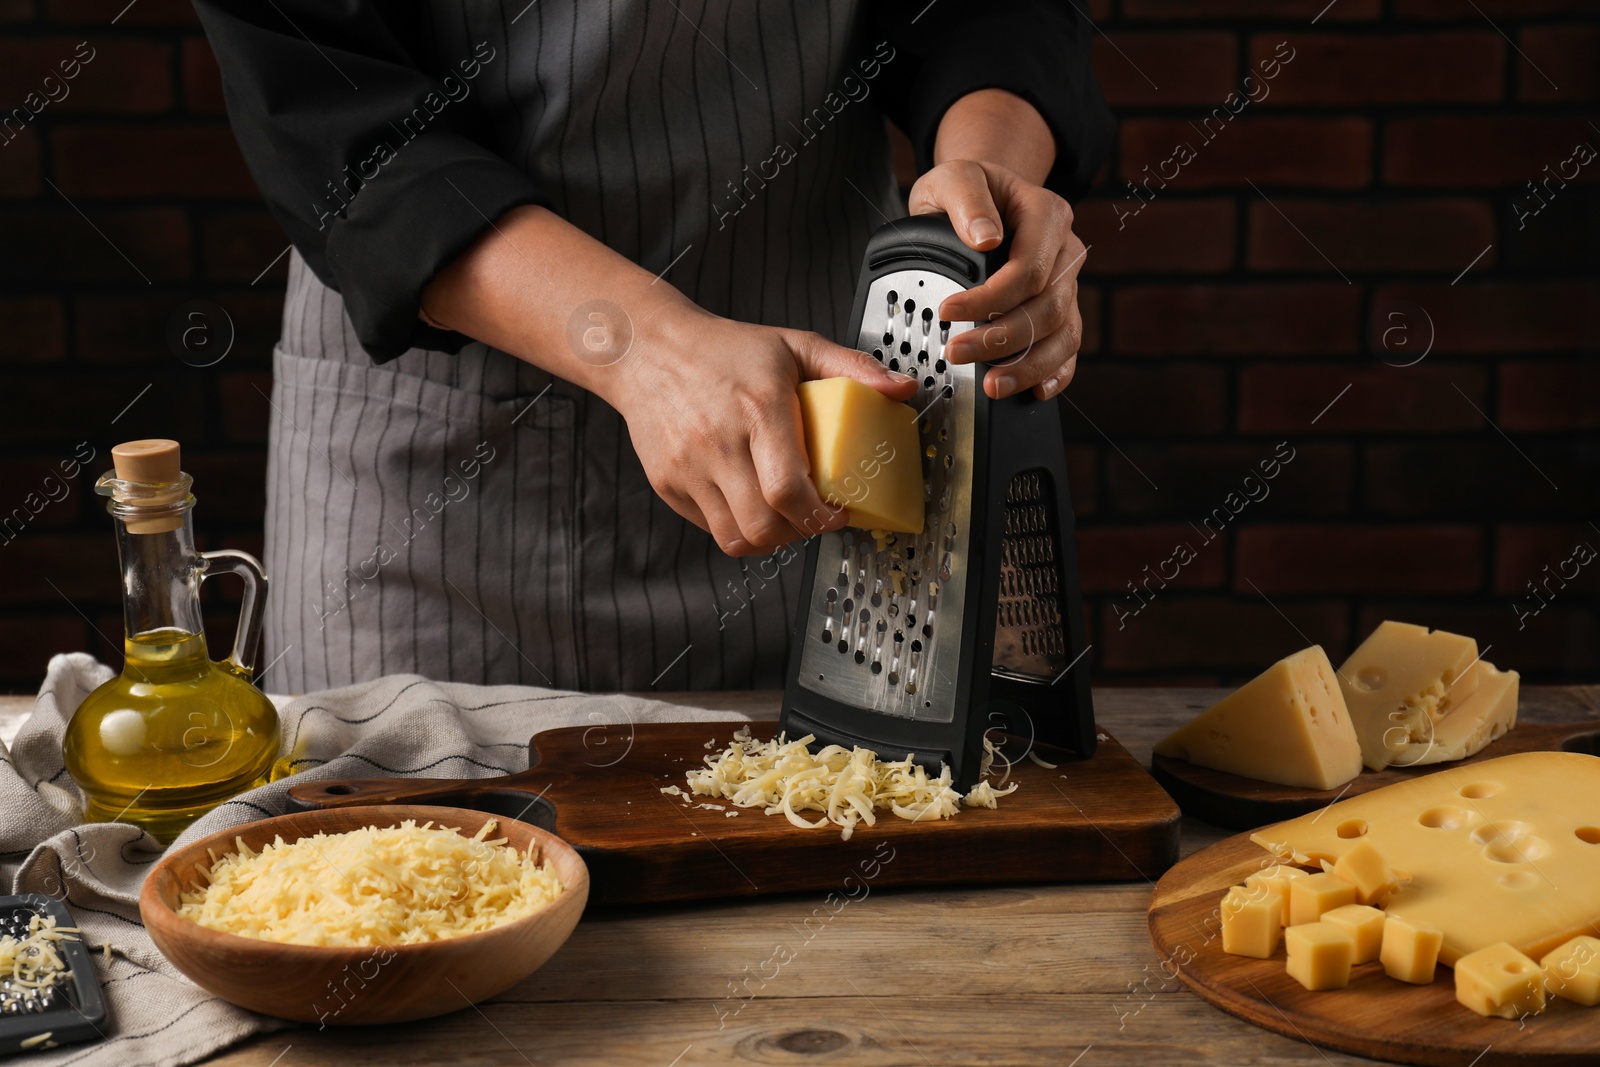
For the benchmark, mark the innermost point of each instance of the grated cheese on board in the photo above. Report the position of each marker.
(33, 962)
(847, 786)
(395, 885)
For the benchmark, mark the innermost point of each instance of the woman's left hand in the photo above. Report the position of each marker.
(1029, 308)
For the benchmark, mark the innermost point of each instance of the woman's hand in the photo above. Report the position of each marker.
(712, 408)
(1030, 305)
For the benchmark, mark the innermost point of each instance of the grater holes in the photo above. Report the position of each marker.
(905, 349)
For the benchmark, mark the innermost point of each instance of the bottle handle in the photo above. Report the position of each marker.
(248, 635)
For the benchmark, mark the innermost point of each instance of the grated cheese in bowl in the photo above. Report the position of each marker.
(373, 886)
(847, 786)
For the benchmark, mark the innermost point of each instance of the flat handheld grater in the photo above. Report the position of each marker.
(921, 644)
(33, 1018)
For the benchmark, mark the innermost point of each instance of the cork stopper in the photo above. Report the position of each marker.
(152, 460)
(148, 475)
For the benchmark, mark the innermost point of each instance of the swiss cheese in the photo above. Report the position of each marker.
(1468, 727)
(1503, 850)
(1319, 955)
(866, 455)
(1401, 680)
(1410, 949)
(1499, 980)
(1251, 923)
(1287, 725)
(1572, 972)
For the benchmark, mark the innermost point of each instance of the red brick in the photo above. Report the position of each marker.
(140, 13)
(1411, 68)
(1122, 398)
(1109, 557)
(116, 161)
(1477, 10)
(1082, 479)
(1411, 235)
(1286, 397)
(77, 564)
(1548, 556)
(1236, 319)
(245, 409)
(1341, 10)
(1090, 299)
(1190, 482)
(130, 329)
(16, 10)
(1192, 67)
(231, 486)
(44, 413)
(19, 164)
(53, 242)
(1333, 153)
(28, 642)
(1562, 54)
(1505, 316)
(120, 76)
(1359, 559)
(202, 78)
(1175, 632)
(1547, 395)
(239, 245)
(32, 329)
(1179, 236)
(36, 493)
(1481, 151)
(1561, 643)
(1482, 477)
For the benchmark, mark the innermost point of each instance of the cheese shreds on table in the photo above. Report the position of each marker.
(845, 786)
(393, 885)
(33, 962)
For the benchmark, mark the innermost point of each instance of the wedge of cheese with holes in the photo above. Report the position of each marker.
(1467, 728)
(1399, 681)
(1503, 850)
(1287, 725)
(866, 455)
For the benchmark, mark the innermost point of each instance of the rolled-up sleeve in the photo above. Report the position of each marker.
(1037, 49)
(377, 168)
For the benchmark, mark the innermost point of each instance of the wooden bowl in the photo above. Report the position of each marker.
(350, 986)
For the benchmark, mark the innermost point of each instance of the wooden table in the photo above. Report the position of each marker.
(1048, 975)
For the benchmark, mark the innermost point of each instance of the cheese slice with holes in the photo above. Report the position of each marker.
(1503, 850)
(1287, 725)
(1467, 728)
(1399, 682)
(865, 454)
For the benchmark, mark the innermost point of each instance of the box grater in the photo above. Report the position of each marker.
(921, 644)
(72, 1009)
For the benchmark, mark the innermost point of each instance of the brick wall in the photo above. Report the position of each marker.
(1267, 292)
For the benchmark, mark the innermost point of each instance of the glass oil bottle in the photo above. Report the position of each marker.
(176, 733)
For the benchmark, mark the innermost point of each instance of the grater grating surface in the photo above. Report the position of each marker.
(1030, 643)
(70, 1009)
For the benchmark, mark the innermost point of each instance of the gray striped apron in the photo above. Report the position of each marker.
(473, 518)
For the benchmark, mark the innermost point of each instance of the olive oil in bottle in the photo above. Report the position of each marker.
(176, 733)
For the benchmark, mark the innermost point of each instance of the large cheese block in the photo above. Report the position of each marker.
(1503, 850)
(1287, 725)
(1399, 682)
(865, 454)
(1467, 728)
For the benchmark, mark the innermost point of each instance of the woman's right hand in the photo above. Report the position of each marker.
(713, 410)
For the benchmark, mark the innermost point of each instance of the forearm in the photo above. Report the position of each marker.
(523, 287)
(994, 126)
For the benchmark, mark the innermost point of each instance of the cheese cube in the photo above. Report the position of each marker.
(1315, 894)
(1364, 925)
(1499, 980)
(1400, 680)
(1410, 949)
(866, 455)
(1572, 972)
(1273, 883)
(1363, 866)
(1250, 925)
(1467, 728)
(1287, 725)
(1319, 955)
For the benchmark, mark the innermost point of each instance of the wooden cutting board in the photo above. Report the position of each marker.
(1374, 1016)
(1097, 820)
(1246, 803)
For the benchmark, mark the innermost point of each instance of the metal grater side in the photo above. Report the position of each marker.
(17, 999)
(881, 611)
(1030, 642)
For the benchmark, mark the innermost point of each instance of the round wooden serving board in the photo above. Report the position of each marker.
(1374, 1016)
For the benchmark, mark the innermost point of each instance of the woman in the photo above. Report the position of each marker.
(557, 267)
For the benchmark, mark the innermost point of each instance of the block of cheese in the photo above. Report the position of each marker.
(1572, 972)
(1503, 850)
(1468, 727)
(1319, 955)
(1250, 925)
(866, 455)
(1287, 725)
(1364, 867)
(1499, 980)
(1311, 896)
(1410, 949)
(1400, 680)
(1273, 884)
(1364, 925)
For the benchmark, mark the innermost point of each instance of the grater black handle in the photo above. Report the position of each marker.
(930, 242)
